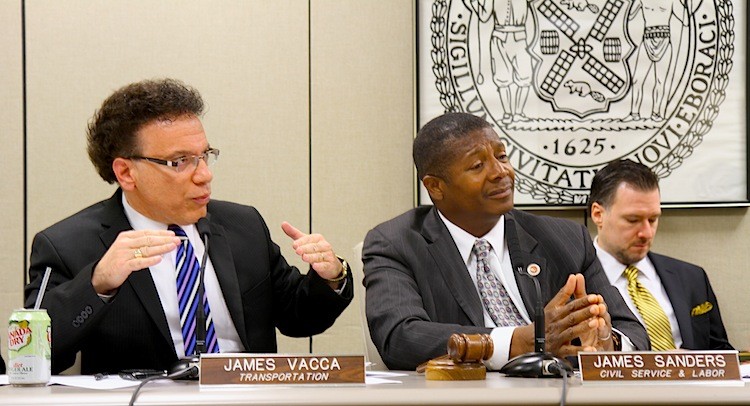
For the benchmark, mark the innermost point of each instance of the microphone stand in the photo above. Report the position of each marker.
(200, 328)
(540, 363)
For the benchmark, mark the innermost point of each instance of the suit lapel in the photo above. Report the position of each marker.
(451, 266)
(222, 259)
(114, 222)
(671, 281)
(521, 246)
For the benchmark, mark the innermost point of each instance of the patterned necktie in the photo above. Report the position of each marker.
(657, 324)
(187, 273)
(494, 296)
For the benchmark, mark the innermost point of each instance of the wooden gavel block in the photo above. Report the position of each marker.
(463, 361)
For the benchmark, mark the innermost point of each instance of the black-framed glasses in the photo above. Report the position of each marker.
(180, 164)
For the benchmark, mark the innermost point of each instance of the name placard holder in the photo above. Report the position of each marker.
(277, 369)
(660, 366)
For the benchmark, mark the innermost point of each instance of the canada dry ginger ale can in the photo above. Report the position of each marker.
(29, 347)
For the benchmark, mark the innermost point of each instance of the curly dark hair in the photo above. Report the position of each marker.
(432, 149)
(608, 179)
(112, 131)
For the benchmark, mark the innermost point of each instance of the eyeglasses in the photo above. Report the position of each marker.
(180, 164)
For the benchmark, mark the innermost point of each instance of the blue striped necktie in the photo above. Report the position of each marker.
(187, 273)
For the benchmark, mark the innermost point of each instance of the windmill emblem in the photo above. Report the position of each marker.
(582, 66)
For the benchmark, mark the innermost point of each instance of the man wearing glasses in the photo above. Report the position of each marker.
(124, 271)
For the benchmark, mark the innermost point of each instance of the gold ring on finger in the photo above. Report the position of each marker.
(137, 253)
(321, 257)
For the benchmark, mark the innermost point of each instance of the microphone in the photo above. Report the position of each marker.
(200, 342)
(189, 366)
(540, 363)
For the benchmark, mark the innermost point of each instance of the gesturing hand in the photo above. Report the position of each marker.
(315, 250)
(131, 251)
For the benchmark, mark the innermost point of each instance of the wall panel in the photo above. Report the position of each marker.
(362, 126)
(248, 59)
(717, 240)
(11, 162)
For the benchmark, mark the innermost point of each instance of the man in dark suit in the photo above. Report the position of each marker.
(625, 205)
(429, 272)
(116, 291)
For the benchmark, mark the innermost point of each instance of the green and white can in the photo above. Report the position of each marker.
(29, 347)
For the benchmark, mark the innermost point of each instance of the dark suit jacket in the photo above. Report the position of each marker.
(687, 287)
(261, 290)
(419, 292)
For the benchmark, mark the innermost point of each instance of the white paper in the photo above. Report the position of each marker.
(89, 382)
(745, 372)
(371, 380)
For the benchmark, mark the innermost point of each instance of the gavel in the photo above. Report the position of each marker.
(464, 359)
(470, 347)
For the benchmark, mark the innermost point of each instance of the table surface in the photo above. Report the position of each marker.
(413, 390)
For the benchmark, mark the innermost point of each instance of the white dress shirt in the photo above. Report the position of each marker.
(500, 264)
(648, 277)
(164, 277)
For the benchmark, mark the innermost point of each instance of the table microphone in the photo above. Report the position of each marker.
(189, 366)
(200, 329)
(540, 363)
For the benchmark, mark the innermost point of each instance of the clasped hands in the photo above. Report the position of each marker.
(136, 250)
(585, 316)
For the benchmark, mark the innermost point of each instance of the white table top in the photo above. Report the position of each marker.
(413, 390)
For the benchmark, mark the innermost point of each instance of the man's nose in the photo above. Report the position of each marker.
(646, 230)
(499, 169)
(202, 172)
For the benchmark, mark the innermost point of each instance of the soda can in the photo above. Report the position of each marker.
(29, 347)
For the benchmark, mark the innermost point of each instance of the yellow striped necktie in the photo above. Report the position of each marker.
(657, 324)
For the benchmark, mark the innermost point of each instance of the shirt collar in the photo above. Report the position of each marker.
(614, 268)
(140, 222)
(465, 241)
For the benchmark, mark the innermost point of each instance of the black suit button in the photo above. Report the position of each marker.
(89, 309)
(76, 324)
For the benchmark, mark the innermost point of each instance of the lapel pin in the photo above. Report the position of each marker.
(533, 269)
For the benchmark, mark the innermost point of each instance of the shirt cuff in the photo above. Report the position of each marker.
(501, 337)
(625, 342)
(340, 290)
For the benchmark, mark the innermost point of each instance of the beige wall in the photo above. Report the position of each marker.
(253, 63)
(11, 161)
(717, 240)
(312, 104)
(362, 127)
(249, 60)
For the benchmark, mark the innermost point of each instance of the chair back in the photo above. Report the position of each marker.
(372, 357)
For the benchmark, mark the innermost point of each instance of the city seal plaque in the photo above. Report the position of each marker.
(570, 85)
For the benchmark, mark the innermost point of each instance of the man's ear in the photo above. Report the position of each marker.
(597, 214)
(434, 186)
(125, 172)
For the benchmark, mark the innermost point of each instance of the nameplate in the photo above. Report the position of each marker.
(276, 369)
(659, 366)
